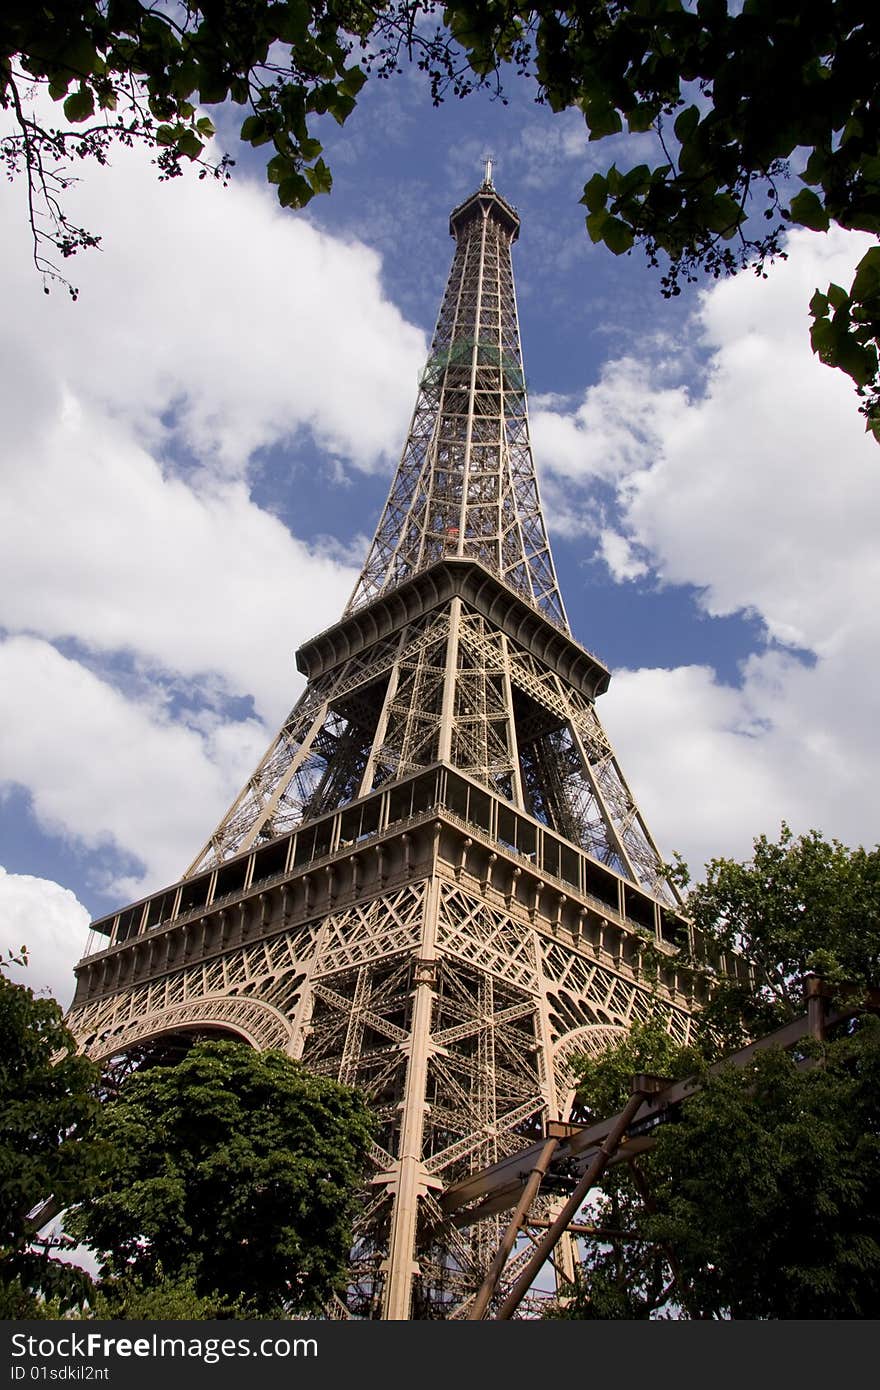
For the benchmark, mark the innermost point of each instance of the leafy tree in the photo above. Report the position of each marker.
(762, 1200)
(48, 1107)
(235, 1172)
(800, 904)
(161, 1300)
(733, 92)
(769, 1189)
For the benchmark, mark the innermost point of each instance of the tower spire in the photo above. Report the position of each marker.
(466, 482)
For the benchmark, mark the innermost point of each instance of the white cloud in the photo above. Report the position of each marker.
(619, 555)
(232, 339)
(546, 143)
(687, 741)
(106, 770)
(615, 430)
(765, 490)
(216, 304)
(713, 765)
(762, 492)
(210, 329)
(193, 577)
(49, 921)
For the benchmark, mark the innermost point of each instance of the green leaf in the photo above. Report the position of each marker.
(617, 236)
(857, 361)
(255, 130)
(635, 180)
(190, 144)
(595, 193)
(281, 167)
(295, 192)
(863, 221)
(692, 160)
(596, 224)
(353, 79)
(602, 121)
(79, 56)
(870, 168)
(809, 211)
(867, 277)
(837, 296)
(641, 118)
(213, 87)
(724, 215)
(319, 177)
(341, 107)
(686, 123)
(853, 130)
(819, 305)
(166, 135)
(823, 339)
(293, 24)
(80, 105)
(242, 1136)
(817, 167)
(185, 79)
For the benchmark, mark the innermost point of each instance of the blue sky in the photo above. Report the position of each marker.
(196, 453)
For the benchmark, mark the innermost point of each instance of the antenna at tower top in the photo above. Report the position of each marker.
(487, 181)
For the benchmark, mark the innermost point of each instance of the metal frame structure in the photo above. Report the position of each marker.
(437, 884)
(580, 1154)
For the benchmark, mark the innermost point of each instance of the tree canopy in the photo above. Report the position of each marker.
(800, 905)
(220, 1186)
(233, 1174)
(48, 1108)
(741, 98)
(762, 1200)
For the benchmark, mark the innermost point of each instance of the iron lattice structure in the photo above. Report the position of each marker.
(466, 483)
(437, 884)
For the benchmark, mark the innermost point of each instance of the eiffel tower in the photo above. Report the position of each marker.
(437, 885)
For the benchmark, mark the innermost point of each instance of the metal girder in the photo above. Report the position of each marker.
(498, 1188)
(593, 1148)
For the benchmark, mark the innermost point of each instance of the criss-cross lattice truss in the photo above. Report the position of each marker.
(437, 884)
(449, 685)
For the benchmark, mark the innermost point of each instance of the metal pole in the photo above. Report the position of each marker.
(530, 1191)
(816, 994)
(593, 1173)
(650, 1206)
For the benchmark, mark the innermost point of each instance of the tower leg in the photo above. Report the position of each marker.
(402, 1266)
